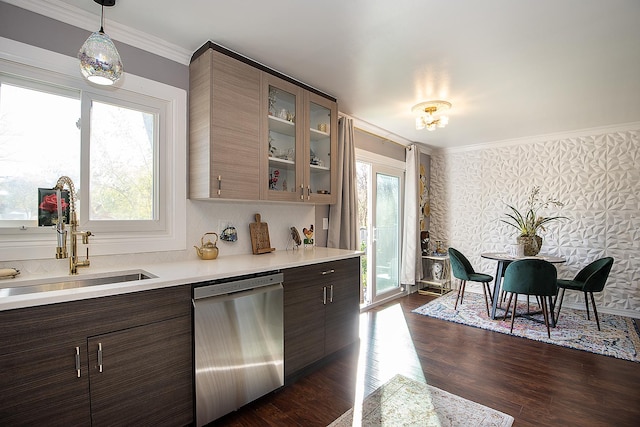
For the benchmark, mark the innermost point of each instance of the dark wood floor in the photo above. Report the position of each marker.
(538, 384)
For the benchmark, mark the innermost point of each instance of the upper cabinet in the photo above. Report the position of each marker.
(256, 134)
(224, 128)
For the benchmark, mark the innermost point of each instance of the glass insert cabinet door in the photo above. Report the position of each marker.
(300, 142)
(321, 124)
(284, 179)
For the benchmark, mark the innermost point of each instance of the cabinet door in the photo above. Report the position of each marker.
(343, 309)
(303, 318)
(40, 386)
(282, 142)
(39, 383)
(320, 154)
(145, 377)
(224, 127)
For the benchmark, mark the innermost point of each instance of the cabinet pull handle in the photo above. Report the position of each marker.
(219, 184)
(308, 192)
(324, 273)
(78, 361)
(324, 295)
(301, 192)
(100, 357)
(331, 294)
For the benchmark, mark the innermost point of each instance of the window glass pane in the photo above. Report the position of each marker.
(387, 232)
(39, 142)
(122, 163)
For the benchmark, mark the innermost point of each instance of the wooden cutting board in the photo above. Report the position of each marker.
(259, 232)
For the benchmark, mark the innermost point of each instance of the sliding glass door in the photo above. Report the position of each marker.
(380, 193)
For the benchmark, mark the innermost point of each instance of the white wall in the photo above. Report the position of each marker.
(595, 172)
(202, 216)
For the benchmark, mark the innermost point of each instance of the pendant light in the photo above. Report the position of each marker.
(100, 62)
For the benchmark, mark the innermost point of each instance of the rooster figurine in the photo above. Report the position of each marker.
(308, 234)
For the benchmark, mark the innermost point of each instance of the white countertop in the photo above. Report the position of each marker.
(168, 274)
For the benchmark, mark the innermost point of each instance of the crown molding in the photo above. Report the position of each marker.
(579, 133)
(60, 11)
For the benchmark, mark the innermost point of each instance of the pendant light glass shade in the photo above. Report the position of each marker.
(100, 61)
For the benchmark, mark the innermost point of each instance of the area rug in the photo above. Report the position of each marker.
(619, 336)
(405, 402)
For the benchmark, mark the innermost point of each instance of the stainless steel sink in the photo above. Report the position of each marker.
(61, 283)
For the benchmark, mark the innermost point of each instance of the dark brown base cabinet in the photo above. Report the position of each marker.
(53, 373)
(321, 311)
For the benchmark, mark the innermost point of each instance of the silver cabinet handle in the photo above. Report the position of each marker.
(219, 184)
(301, 192)
(100, 357)
(308, 192)
(324, 295)
(78, 361)
(324, 273)
(331, 294)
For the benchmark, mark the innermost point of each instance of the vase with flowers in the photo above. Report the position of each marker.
(529, 223)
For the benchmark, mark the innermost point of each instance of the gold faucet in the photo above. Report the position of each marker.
(61, 250)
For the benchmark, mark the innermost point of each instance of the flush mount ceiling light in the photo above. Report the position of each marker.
(430, 114)
(100, 62)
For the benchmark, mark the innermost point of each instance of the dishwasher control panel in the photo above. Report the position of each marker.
(232, 285)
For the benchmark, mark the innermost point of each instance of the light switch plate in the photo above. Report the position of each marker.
(325, 223)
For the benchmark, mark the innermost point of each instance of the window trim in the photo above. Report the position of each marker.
(31, 62)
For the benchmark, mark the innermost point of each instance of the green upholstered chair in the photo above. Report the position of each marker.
(531, 277)
(463, 270)
(590, 279)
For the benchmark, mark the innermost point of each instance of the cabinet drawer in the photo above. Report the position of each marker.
(339, 271)
(27, 329)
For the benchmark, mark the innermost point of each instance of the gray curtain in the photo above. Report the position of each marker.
(343, 216)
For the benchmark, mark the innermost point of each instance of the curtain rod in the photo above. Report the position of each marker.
(380, 137)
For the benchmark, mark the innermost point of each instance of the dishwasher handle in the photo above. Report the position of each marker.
(235, 286)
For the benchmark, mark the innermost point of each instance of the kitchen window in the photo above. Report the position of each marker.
(123, 148)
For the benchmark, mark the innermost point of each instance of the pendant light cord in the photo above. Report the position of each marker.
(102, 19)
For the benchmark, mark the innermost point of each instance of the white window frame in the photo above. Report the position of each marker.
(113, 237)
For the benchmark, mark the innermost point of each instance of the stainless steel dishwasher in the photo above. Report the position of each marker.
(239, 342)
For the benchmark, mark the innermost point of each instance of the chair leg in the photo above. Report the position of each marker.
(486, 285)
(595, 311)
(586, 303)
(513, 313)
(560, 304)
(460, 293)
(545, 314)
(486, 301)
(506, 310)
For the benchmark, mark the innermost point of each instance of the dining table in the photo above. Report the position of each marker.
(504, 259)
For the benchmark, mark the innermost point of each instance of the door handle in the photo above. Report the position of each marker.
(78, 361)
(324, 295)
(331, 294)
(99, 357)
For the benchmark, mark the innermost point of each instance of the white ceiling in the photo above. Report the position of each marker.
(510, 68)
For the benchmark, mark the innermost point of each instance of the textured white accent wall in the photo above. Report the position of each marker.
(597, 175)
